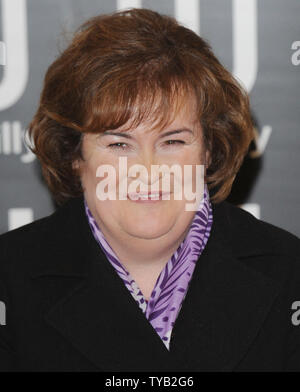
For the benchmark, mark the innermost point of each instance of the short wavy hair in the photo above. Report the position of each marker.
(133, 65)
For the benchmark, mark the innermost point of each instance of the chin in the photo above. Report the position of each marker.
(148, 230)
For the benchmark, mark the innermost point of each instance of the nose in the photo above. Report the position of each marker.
(148, 175)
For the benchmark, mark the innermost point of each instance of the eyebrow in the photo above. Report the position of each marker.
(169, 133)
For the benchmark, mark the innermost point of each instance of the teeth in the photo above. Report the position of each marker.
(146, 197)
(152, 196)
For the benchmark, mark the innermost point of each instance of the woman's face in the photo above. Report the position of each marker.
(179, 143)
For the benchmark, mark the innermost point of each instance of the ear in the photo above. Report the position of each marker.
(207, 159)
(75, 165)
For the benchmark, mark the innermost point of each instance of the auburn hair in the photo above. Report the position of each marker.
(133, 65)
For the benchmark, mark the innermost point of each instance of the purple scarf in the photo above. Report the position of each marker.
(172, 284)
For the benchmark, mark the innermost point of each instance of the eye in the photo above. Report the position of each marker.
(119, 145)
(173, 142)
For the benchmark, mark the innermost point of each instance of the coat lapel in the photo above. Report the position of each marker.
(226, 304)
(98, 315)
(221, 315)
(107, 326)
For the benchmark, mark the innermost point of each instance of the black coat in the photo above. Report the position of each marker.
(68, 310)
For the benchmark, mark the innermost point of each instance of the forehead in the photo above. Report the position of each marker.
(181, 113)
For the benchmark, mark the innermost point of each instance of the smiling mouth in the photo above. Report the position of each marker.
(149, 196)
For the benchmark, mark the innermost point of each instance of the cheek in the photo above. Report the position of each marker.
(94, 159)
(92, 177)
(191, 156)
(88, 173)
(191, 176)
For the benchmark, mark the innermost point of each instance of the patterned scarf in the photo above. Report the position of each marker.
(172, 284)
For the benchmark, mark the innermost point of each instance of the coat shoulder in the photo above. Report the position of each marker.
(17, 244)
(251, 230)
(53, 224)
(31, 241)
(260, 245)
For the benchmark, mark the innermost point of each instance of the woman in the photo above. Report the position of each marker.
(117, 280)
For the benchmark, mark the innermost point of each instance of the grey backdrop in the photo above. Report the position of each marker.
(257, 40)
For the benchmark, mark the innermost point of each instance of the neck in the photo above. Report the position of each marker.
(136, 252)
